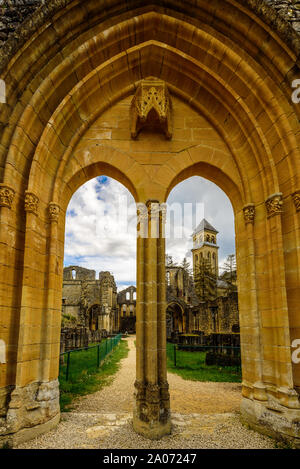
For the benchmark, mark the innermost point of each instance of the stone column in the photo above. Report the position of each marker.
(256, 389)
(152, 401)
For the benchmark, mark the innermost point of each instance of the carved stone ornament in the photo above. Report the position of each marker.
(151, 108)
(7, 194)
(249, 213)
(296, 199)
(54, 210)
(140, 390)
(274, 205)
(31, 202)
(152, 393)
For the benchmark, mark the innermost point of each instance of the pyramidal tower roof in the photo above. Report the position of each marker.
(204, 225)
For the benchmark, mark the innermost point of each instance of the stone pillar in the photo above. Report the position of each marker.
(152, 401)
(270, 403)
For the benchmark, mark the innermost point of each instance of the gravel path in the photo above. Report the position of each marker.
(204, 415)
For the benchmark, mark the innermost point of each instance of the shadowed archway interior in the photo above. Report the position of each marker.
(70, 84)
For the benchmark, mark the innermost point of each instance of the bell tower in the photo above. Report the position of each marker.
(205, 246)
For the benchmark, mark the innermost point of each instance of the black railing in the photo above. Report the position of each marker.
(91, 359)
(219, 355)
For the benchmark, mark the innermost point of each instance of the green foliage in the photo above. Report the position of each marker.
(67, 319)
(85, 377)
(191, 366)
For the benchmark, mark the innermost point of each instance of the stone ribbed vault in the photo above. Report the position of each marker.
(70, 77)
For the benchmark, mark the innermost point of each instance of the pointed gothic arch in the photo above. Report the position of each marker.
(77, 66)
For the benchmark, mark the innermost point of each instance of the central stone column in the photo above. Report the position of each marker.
(152, 400)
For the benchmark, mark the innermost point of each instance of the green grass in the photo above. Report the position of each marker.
(191, 366)
(85, 377)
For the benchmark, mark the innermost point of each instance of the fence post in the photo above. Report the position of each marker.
(98, 356)
(175, 355)
(68, 366)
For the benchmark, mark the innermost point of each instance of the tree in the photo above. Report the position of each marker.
(169, 261)
(186, 266)
(205, 281)
(229, 267)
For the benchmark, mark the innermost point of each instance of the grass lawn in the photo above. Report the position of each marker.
(85, 377)
(191, 365)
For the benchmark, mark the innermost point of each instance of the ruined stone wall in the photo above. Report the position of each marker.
(81, 273)
(108, 289)
(102, 292)
(218, 316)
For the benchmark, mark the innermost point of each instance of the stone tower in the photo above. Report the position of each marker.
(205, 246)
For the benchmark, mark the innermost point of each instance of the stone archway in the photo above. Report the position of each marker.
(176, 314)
(69, 87)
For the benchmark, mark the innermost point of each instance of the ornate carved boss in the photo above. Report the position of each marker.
(7, 194)
(54, 210)
(249, 213)
(274, 205)
(151, 108)
(296, 199)
(31, 202)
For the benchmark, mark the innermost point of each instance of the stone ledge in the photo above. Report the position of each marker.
(26, 434)
(282, 425)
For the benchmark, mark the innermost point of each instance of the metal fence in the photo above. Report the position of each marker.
(224, 356)
(74, 362)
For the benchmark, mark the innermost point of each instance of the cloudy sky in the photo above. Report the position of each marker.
(101, 225)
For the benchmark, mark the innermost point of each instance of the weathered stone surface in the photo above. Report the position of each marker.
(67, 120)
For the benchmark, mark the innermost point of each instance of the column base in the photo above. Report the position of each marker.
(272, 419)
(151, 415)
(153, 430)
(32, 410)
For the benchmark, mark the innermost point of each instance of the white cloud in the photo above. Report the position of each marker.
(101, 225)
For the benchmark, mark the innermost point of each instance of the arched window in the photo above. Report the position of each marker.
(168, 278)
(74, 274)
(127, 296)
(134, 296)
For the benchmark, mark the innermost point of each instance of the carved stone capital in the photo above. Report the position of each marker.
(151, 108)
(140, 390)
(152, 393)
(31, 202)
(296, 199)
(164, 391)
(274, 205)
(249, 213)
(7, 194)
(54, 210)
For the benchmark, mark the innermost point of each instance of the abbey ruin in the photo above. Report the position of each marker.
(150, 94)
(203, 305)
